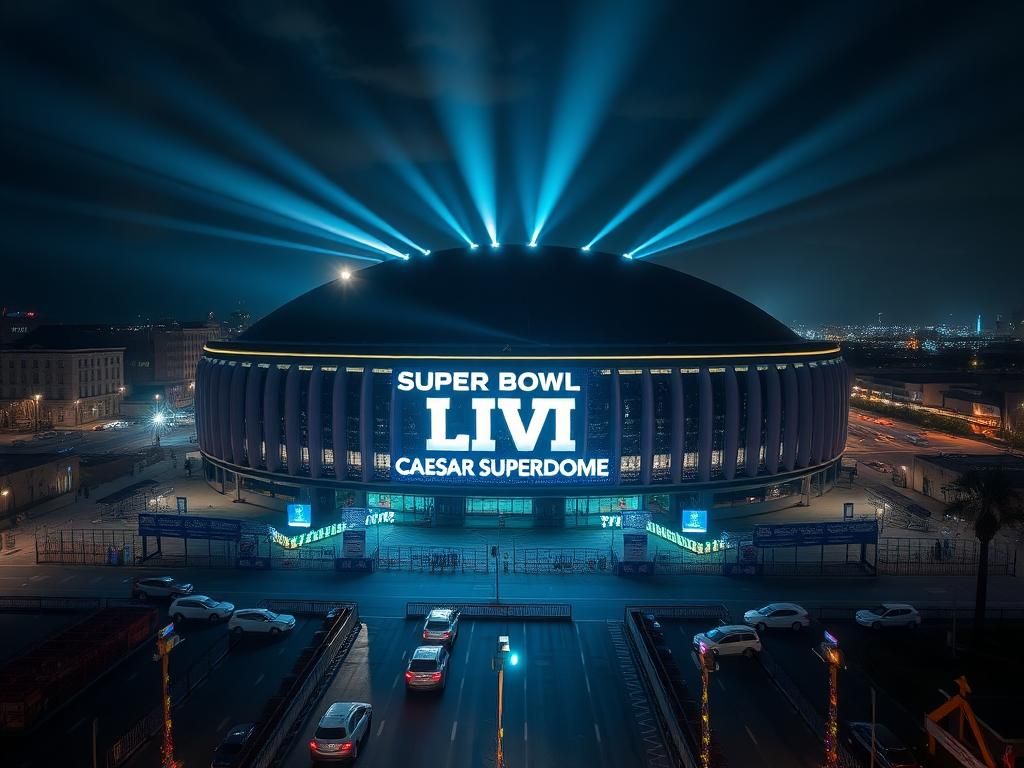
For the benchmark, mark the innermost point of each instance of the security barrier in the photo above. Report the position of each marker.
(542, 611)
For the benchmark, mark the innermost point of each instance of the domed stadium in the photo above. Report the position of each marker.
(537, 386)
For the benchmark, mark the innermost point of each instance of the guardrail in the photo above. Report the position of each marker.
(305, 607)
(714, 611)
(276, 730)
(540, 611)
(929, 613)
(48, 604)
(678, 741)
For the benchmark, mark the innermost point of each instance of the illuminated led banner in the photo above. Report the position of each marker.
(492, 425)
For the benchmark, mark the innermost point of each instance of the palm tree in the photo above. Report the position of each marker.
(989, 500)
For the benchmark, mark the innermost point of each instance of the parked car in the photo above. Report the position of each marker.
(344, 727)
(260, 620)
(441, 626)
(729, 640)
(890, 752)
(427, 669)
(160, 586)
(227, 754)
(199, 608)
(889, 615)
(777, 616)
(653, 627)
(879, 466)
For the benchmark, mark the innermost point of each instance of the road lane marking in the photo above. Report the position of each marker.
(583, 661)
(455, 727)
(77, 725)
(132, 676)
(380, 728)
(224, 723)
(282, 649)
(65, 579)
(720, 683)
(259, 679)
(397, 678)
(597, 732)
(403, 654)
(750, 734)
(37, 578)
(526, 731)
(462, 685)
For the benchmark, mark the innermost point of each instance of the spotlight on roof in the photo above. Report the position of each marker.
(473, 246)
(403, 256)
(627, 255)
(426, 252)
(585, 248)
(495, 244)
(346, 275)
(533, 244)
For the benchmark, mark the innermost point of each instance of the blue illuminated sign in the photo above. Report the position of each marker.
(695, 521)
(494, 425)
(806, 534)
(299, 515)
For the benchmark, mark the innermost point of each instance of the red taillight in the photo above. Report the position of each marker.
(408, 675)
(435, 676)
(312, 745)
(346, 746)
(446, 635)
(426, 635)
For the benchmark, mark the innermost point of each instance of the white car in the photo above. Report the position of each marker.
(729, 640)
(441, 626)
(888, 615)
(342, 730)
(199, 608)
(260, 620)
(160, 586)
(777, 616)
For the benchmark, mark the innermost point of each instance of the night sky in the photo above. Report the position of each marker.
(826, 161)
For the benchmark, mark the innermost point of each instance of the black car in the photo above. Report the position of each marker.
(230, 749)
(890, 752)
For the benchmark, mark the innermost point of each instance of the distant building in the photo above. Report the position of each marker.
(27, 479)
(16, 324)
(60, 376)
(936, 475)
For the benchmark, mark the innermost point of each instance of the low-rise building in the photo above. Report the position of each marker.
(936, 475)
(26, 479)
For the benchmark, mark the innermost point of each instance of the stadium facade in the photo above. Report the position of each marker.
(532, 386)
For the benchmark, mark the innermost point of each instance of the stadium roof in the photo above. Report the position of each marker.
(520, 300)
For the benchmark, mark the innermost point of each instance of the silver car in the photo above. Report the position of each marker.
(777, 616)
(160, 586)
(441, 626)
(427, 669)
(342, 730)
(888, 615)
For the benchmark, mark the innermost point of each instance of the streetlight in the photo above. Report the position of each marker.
(833, 657)
(37, 398)
(708, 663)
(498, 664)
(166, 641)
(78, 412)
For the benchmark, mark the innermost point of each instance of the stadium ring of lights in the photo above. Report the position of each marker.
(531, 385)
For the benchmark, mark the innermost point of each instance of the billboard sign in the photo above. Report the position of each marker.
(181, 503)
(353, 543)
(299, 515)
(634, 547)
(695, 521)
(189, 527)
(808, 534)
(485, 426)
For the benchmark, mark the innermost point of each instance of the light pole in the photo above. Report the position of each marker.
(37, 398)
(708, 663)
(498, 664)
(166, 641)
(833, 657)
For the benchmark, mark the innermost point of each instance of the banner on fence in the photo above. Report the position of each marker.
(812, 534)
(255, 563)
(634, 546)
(353, 544)
(354, 564)
(182, 527)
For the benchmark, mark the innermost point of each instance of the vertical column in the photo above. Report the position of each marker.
(223, 411)
(791, 427)
(211, 408)
(395, 426)
(366, 423)
(291, 419)
(615, 438)
(646, 426)
(732, 423)
(705, 426)
(844, 404)
(803, 380)
(200, 404)
(315, 422)
(338, 426)
(237, 419)
(678, 426)
(831, 412)
(253, 411)
(272, 418)
(772, 419)
(753, 447)
(818, 405)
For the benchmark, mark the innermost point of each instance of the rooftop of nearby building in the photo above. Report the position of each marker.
(17, 462)
(965, 462)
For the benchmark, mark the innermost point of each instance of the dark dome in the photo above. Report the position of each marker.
(520, 300)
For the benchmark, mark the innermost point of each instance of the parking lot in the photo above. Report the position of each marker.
(565, 697)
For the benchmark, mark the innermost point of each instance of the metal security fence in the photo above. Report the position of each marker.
(87, 546)
(942, 557)
(544, 611)
(304, 558)
(434, 559)
(558, 560)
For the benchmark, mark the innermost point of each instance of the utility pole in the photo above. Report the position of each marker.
(497, 592)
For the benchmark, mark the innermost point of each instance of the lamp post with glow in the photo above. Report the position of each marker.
(829, 653)
(166, 641)
(37, 398)
(708, 663)
(498, 664)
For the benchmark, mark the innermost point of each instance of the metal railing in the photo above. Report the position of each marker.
(434, 559)
(305, 607)
(559, 560)
(541, 611)
(942, 557)
(686, 611)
